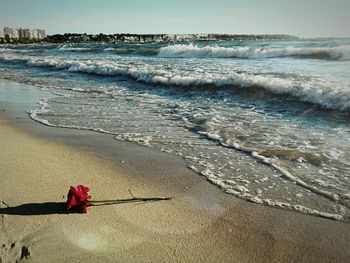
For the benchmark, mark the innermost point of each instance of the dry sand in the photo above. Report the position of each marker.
(201, 224)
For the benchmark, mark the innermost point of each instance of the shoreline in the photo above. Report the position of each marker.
(201, 223)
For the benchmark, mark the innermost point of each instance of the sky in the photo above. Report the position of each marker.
(304, 18)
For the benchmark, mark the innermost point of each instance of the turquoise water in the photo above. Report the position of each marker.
(266, 121)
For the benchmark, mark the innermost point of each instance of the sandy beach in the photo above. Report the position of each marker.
(200, 224)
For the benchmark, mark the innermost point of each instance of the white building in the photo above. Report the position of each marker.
(10, 32)
(38, 33)
(35, 33)
(24, 33)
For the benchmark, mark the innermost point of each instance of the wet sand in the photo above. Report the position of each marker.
(201, 224)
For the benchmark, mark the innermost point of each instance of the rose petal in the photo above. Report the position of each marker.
(77, 198)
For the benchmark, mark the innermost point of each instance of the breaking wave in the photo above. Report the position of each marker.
(76, 49)
(312, 91)
(194, 51)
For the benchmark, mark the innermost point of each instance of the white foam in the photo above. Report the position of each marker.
(110, 49)
(70, 48)
(243, 192)
(33, 114)
(278, 166)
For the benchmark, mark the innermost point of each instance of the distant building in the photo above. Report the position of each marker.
(35, 34)
(38, 33)
(24, 33)
(10, 32)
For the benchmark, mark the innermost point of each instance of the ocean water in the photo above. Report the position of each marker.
(266, 121)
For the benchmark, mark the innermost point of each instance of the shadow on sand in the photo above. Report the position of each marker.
(50, 208)
(33, 209)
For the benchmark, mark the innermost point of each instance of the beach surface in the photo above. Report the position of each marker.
(200, 224)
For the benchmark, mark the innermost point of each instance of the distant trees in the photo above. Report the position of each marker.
(131, 38)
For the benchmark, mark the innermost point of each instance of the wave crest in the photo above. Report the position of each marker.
(76, 49)
(194, 51)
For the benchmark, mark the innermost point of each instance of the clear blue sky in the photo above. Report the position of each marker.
(309, 18)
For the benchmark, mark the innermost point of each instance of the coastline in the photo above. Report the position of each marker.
(201, 224)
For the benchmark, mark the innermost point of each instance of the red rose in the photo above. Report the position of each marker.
(78, 199)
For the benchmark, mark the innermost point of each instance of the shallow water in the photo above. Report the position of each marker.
(267, 121)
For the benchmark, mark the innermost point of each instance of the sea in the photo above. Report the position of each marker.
(267, 121)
